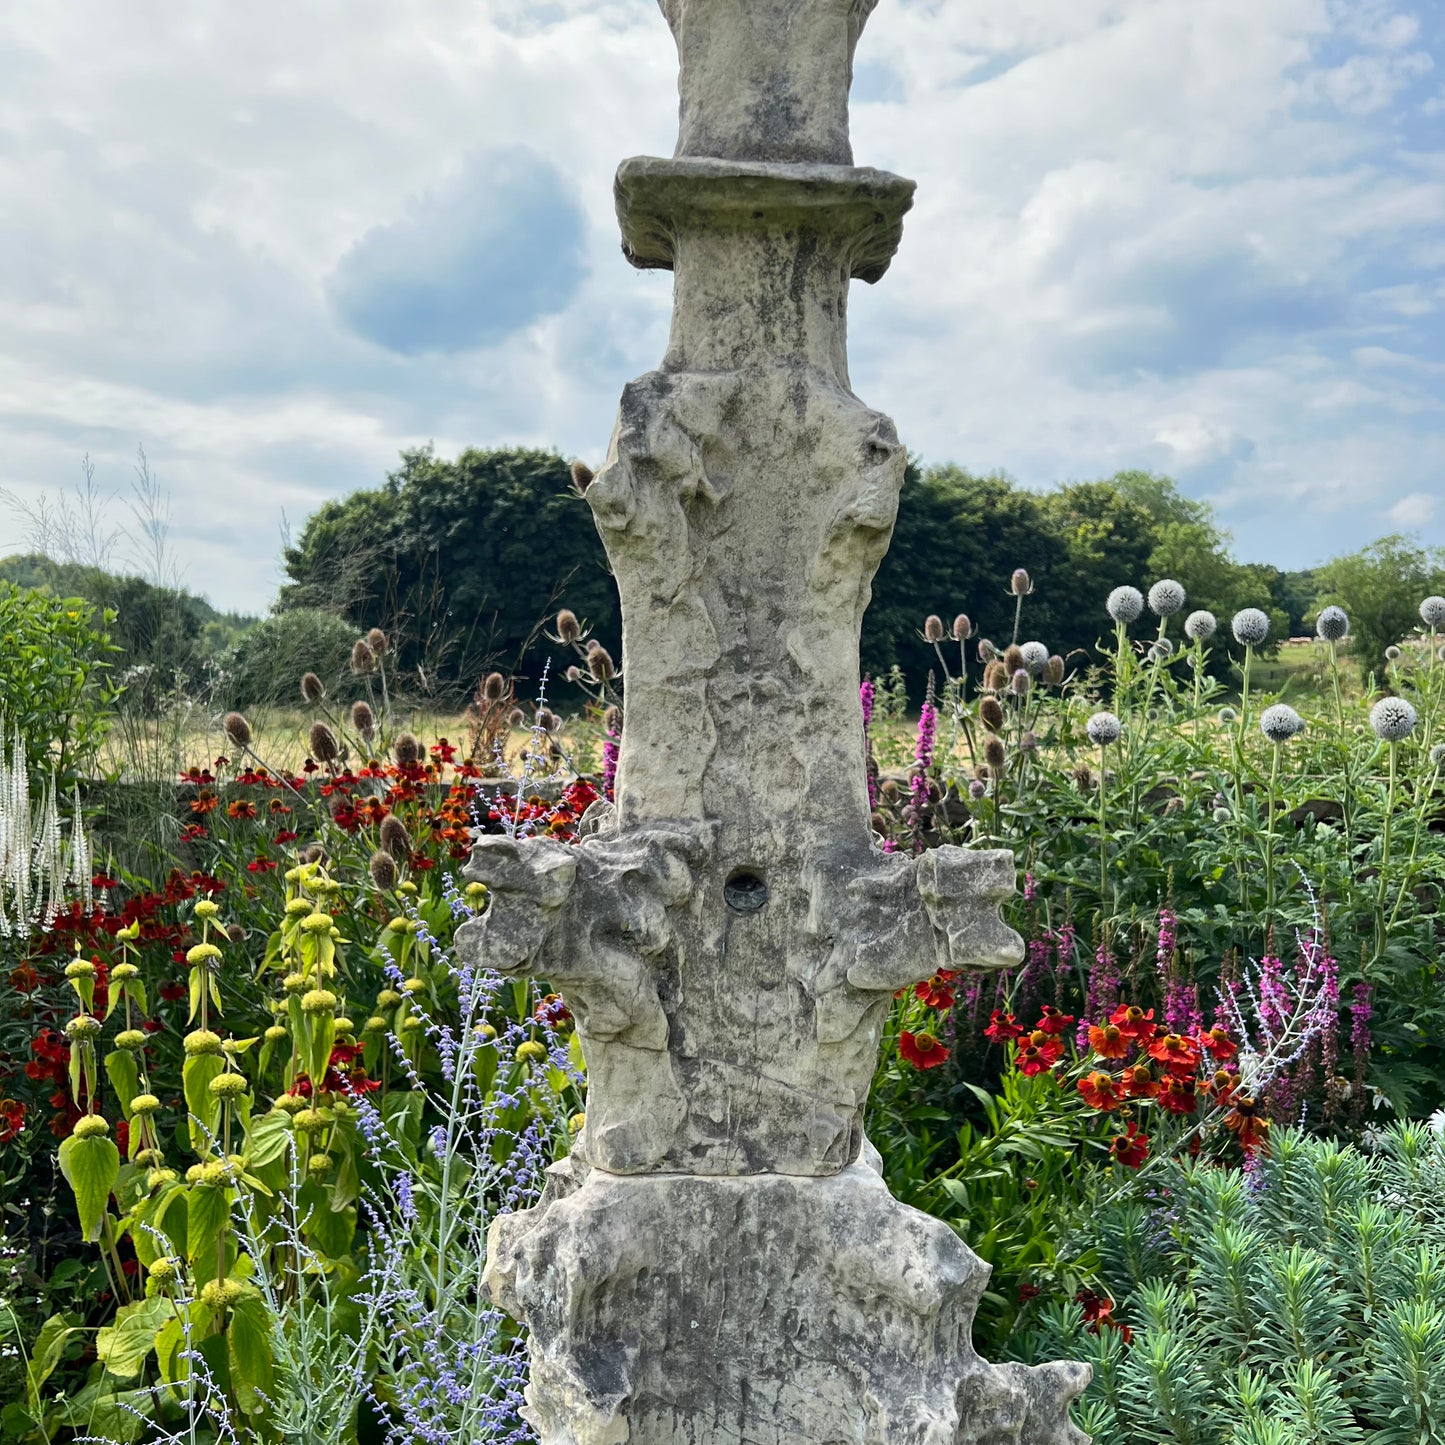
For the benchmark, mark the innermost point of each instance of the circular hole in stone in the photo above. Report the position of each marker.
(745, 891)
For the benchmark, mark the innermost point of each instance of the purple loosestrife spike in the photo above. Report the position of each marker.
(867, 696)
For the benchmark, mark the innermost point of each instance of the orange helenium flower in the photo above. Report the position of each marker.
(1101, 1091)
(921, 1050)
(1109, 1041)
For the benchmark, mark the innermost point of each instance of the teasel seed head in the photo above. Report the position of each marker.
(1019, 583)
(990, 714)
(312, 688)
(995, 677)
(494, 687)
(986, 650)
(383, 870)
(574, 673)
(395, 838)
(993, 753)
(933, 628)
(1013, 658)
(323, 743)
(569, 630)
(363, 719)
(1054, 670)
(582, 476)
(1020, 682)
(516, 718)
(962, 628)
(378, 642)
(237, 729)
(407, 750)
(612, 720)
(599, 663)
(363, 659)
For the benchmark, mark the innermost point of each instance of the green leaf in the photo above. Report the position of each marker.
(252, 1369)
(91, 1167)
(208, 1211)
(124, 1074)
(331, 1232)
(123, 1347)
(204, 1107)
(45, 1356)
(267, 1139)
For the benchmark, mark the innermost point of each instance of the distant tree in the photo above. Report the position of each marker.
(1381, 587)
(264, 667)
(462, 561)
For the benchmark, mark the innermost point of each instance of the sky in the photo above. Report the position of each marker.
(275, 243)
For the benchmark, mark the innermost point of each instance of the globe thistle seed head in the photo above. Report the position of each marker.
(1393, 653)
(1036, 657)
(1019, 583)
(312, 688)
(1020, 682)
(993, 752)
(1393, 719)
(1200, 626)
(962, 628)
(933, 628)
(1437, 756)
(1222, 815)
(494, 687)
(1125, 605)
(383, 870)
(1013, 658)
(986, 650)
(1280, 723)
(1432, 612)
(1103, 728)
(1166, 597)
(407, 750)
(1228, 715)
(1250, 627)
(569, 630)
(582, 476)
(363, 719)
(363, 659)
(1161, 649)
(1054, 670)
(1332, 624)
(378, 642)
(990, 714)
(323, 743)
(237, 729)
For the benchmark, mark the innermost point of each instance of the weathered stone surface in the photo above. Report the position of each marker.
(766, 79)
(714, 1265)
(768, 1310)
(719, 1039)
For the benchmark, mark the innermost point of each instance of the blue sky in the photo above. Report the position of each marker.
(274, 244)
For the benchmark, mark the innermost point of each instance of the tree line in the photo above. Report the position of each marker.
(464, 561)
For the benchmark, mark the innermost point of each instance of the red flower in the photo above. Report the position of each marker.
(936, 992)
(24, 978)
(284, 837)
(1131, 1148)
(443, 750)
(1138, 1082)
(921, 1050)
(204, 802)
(191, 833)
(101, 880)
(1244, 1123)
(552, 1011)
(1002, 1028)
(1028, 1292)
(1178, 1054)
(1051, 1021)
(1132, 1021)
(1219, 1045)
(1101, 1091)
(1039, 1054)
(1221, 1086)
(1109, 1041)
(1177, 1094)
(12, 1119)
(260, 865)
(170, 992)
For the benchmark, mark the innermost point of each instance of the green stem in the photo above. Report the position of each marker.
(1103, 836)
(1385, 842)
(1269, 837)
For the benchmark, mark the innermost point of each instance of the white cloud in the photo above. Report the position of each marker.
(1415, 510)
(1198, 238)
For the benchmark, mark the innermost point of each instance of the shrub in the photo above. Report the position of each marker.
(264, 668)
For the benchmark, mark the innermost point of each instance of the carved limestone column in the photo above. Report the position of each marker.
(719, 1260)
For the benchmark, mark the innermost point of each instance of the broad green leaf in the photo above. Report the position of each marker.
(123, 1347)
(204, 1107)
(252, 1370)
(91, 1167)
(45, 1355)
(124, 1074)
(267, 1138)
(208, 1211)
(331, 1232)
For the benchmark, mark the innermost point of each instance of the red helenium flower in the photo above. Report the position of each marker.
(1002, 1028)
(1131, 1148)
(1052, 1021)
(921, 1050)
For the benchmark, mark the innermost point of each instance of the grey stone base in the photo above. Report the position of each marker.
(765, 1310)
